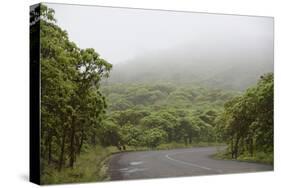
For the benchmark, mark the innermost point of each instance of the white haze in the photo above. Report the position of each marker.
(224, 51)
(120, 34)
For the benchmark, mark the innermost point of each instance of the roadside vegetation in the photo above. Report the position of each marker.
(149, 115)
(91, 165)
(85, 118)
(246, 123)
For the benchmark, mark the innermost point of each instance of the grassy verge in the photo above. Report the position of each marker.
(90, 167)
(258, 157)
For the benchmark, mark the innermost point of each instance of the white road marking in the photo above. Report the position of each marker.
(136, 163)
(135, 170)
(191, 164)
(123, 169)
(187, 163)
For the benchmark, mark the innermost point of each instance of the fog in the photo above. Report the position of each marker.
(204, 46)
(119, 34)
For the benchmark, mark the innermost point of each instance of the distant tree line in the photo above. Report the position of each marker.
(147, 115)
(144, 128)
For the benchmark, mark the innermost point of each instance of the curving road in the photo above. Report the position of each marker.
(176, 163)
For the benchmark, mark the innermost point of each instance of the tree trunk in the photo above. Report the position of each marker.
(72, 144)
(236, 147)
(50, 147)
(251, 147)
(81, 142)
(124, 147)
(61, 162)
(185, 140)
(94, 138)
(232, 148)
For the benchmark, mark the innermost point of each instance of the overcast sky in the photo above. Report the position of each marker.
(119, 34)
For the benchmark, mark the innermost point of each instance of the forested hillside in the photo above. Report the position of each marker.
(86, 111)
(151, 114)
(208, 65)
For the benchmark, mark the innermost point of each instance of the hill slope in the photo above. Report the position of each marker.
(236, 65)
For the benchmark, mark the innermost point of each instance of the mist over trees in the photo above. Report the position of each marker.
(231, 65)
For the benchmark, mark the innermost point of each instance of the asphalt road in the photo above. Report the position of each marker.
(176, 163)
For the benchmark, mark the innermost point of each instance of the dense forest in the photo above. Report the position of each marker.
(151, 114)
(82, 107)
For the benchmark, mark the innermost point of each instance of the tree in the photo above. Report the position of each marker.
(72, 106)
(131, 135)
(57, 58)
(153, 137)
(189, 130)
(157, 121)
(90, 70)
(249, 119)
(109, 134)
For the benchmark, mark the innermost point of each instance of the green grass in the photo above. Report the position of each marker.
(258, 157)
(90, 167)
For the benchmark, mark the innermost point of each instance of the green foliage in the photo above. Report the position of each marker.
(258, 156)
(121, 97)
(247, 121)
(132, 136)
(189, 129)
(109, 133)
(141, 111)
(72, 105)
(153, 137)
